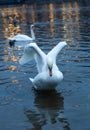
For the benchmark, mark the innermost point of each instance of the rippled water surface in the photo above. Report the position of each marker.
(66, 108)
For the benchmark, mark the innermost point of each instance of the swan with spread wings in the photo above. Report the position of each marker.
(49, 75)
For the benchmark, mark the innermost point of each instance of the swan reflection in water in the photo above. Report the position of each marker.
(49, 112)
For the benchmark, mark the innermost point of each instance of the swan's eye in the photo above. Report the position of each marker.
(33, 27)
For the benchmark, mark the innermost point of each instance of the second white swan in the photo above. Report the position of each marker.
(22, 37)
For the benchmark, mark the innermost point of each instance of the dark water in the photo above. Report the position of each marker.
(66, 108)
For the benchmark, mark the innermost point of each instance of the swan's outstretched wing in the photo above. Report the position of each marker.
(54, 52)
(33, 51)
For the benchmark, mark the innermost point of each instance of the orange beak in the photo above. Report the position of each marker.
(50, 72)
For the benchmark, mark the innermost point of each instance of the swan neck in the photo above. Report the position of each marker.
(32, 34)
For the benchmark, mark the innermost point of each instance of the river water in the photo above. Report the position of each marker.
(66, 108)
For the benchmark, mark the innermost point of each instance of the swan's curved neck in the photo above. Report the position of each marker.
(32, 34)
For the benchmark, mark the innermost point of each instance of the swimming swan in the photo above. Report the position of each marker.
(49, 76)
(22, 37)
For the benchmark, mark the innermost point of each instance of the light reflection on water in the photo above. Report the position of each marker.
(16, 21)
(59, 109)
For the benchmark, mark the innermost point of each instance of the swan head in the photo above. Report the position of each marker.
(50, 65)
(32, 27)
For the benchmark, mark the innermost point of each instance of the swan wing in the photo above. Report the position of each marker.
(55, 51)
(33, 51)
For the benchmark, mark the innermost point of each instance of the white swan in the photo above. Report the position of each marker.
(22, 37)
(49, 76)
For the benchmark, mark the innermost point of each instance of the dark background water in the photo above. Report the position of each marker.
(66, 108)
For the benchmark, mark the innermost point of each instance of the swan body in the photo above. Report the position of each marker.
(44, 81)
(49, 75)
(22, 37)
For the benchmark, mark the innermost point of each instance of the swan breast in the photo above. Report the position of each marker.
(44, 81)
